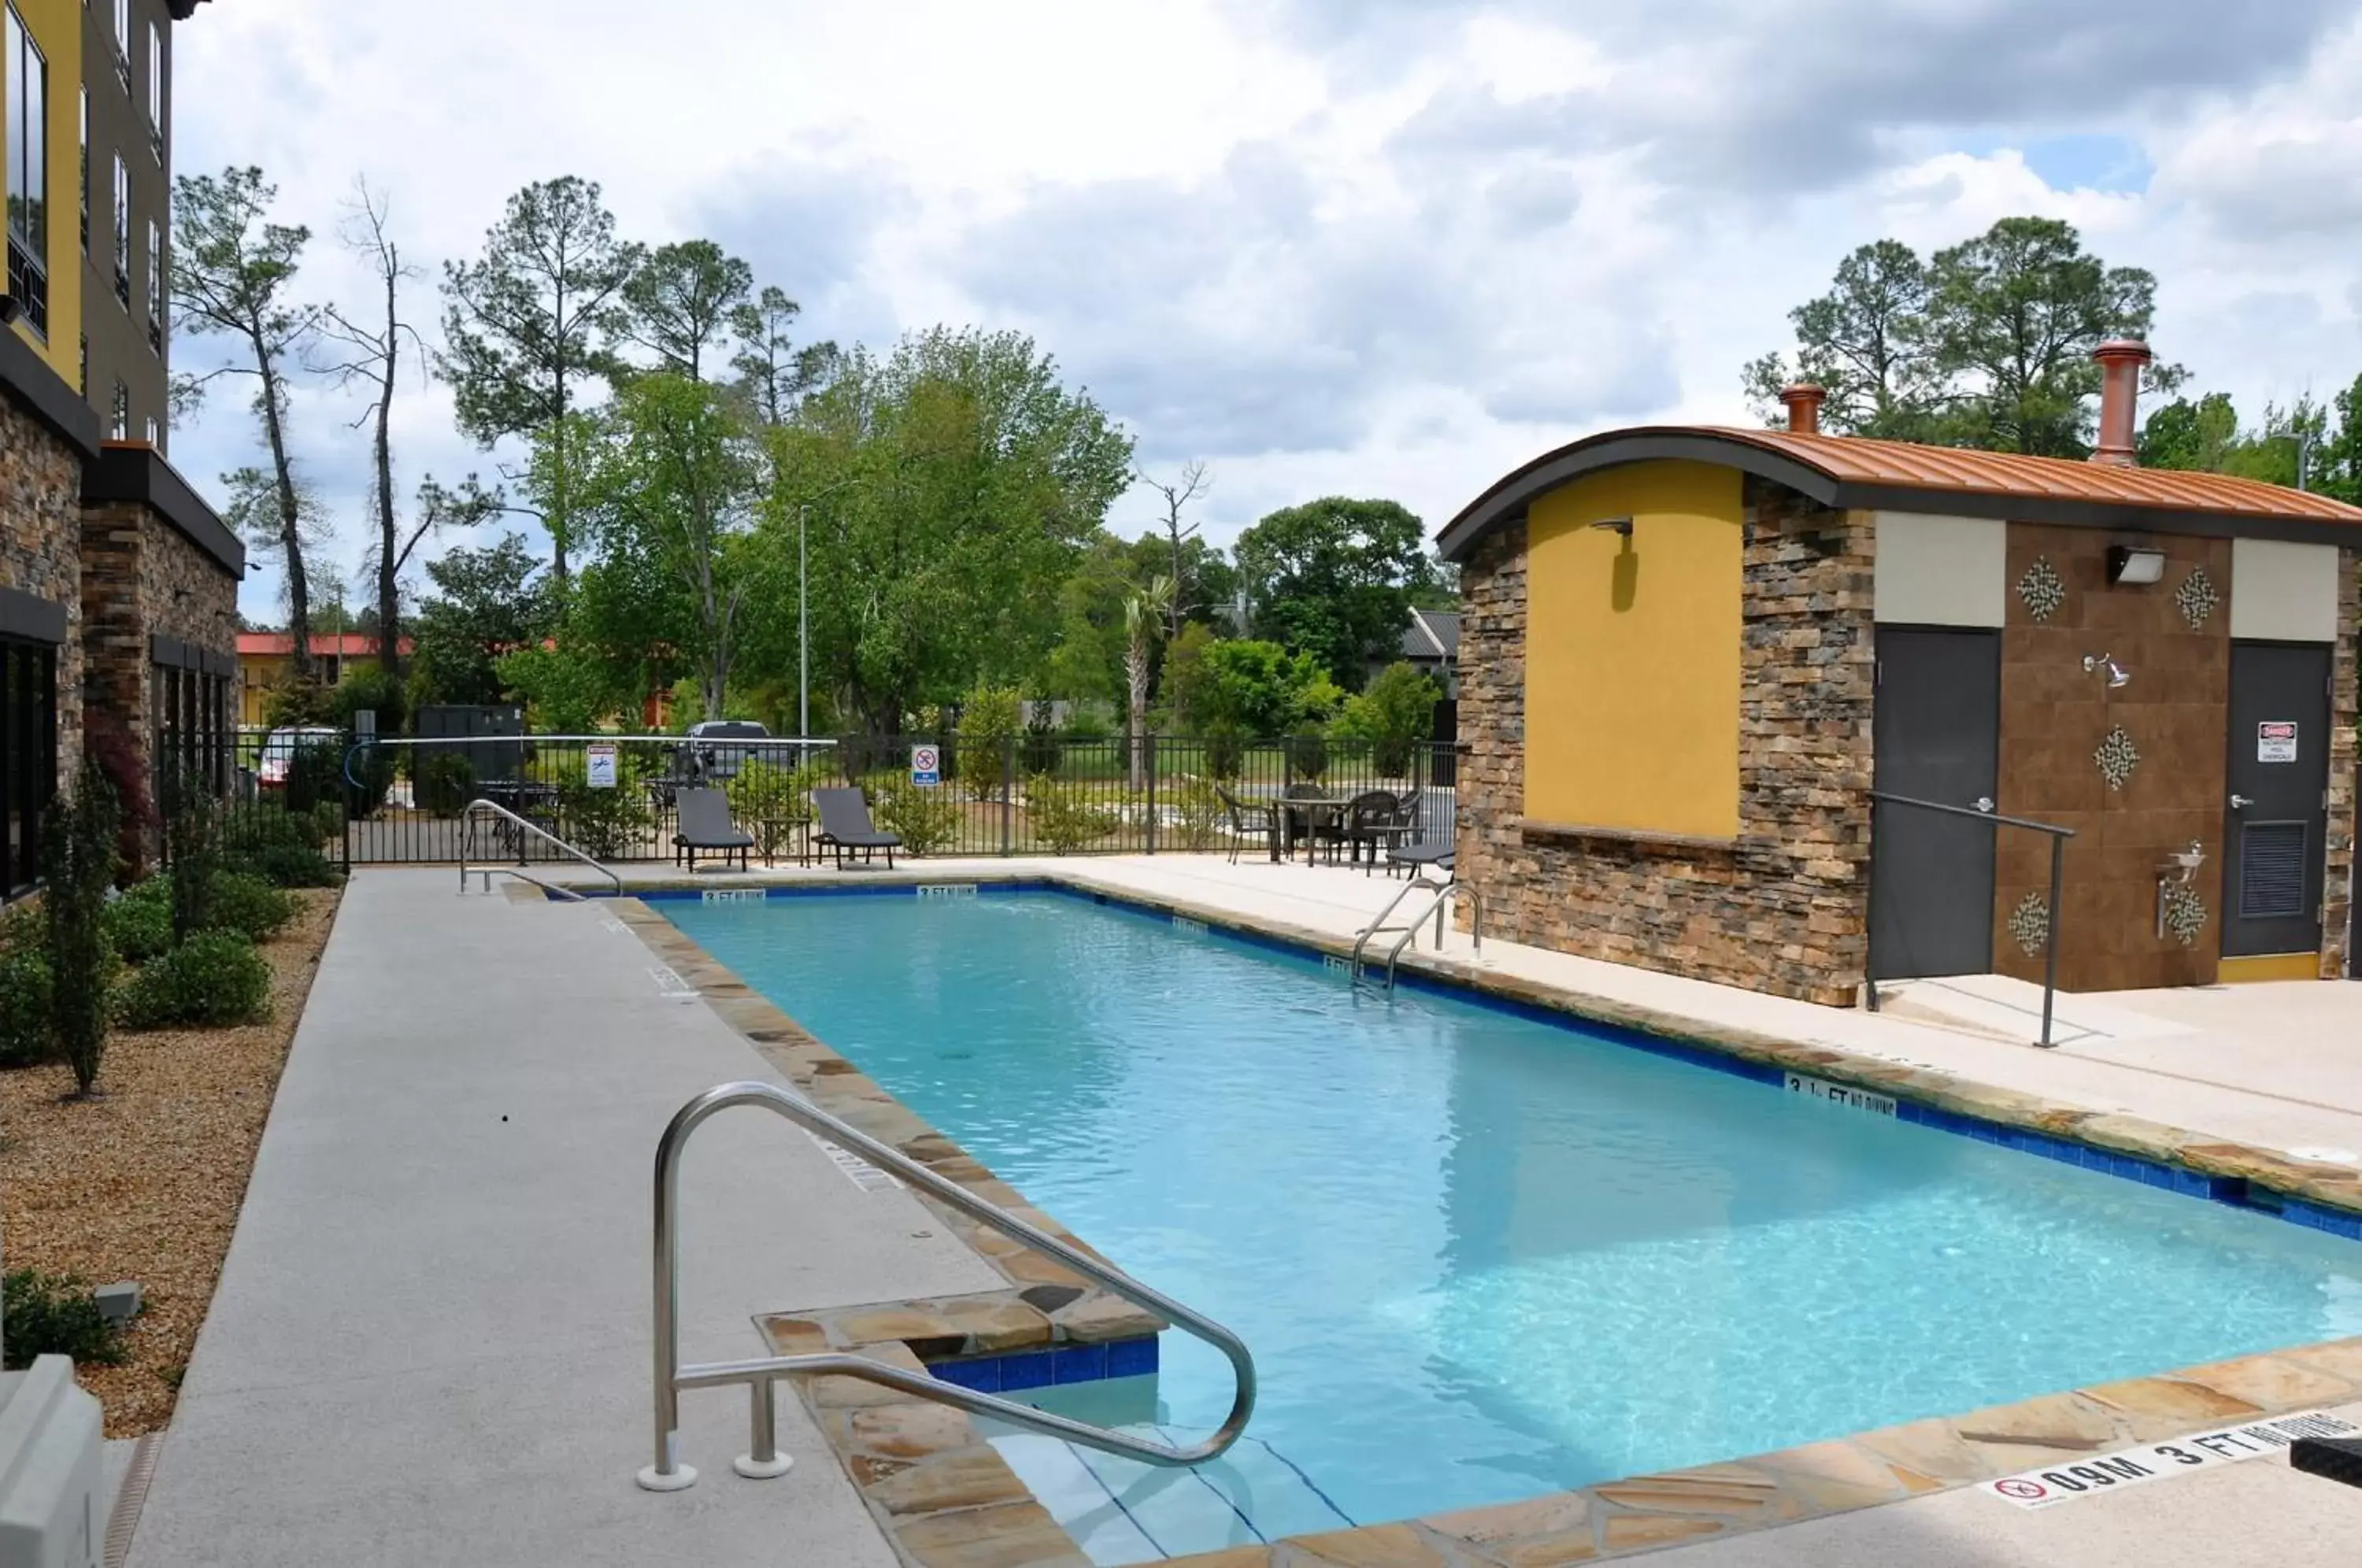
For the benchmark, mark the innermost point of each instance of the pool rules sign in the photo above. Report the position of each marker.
(2162, 1461)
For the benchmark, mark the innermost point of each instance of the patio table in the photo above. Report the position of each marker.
(1314, 808)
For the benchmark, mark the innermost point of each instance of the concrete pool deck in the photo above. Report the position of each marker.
(431, 1338)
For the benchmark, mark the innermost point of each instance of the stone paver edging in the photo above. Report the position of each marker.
(947, 1500)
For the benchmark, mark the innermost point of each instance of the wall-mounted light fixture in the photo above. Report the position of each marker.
(1616, 525)
(2135, 564)
(2100, 663)
(11, 308)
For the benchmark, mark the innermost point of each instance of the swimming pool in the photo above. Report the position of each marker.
(1481, 1256)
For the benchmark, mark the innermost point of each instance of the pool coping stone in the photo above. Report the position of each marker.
(946, 1499)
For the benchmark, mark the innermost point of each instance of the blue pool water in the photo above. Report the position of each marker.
(1479, 1256)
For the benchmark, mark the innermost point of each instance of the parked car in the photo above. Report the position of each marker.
(718, 764)
(279, 748)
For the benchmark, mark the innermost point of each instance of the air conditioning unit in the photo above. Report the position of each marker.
(51, 1470)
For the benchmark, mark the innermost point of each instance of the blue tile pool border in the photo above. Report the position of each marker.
(1020, 1371)
(2236, 1191)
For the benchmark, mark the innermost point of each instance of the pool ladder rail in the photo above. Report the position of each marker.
(763, 1458)
(467, 834)
(1406, 933)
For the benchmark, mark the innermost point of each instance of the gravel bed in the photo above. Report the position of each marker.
(145, 1182)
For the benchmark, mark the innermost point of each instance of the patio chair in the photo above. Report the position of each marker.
(705, 824)
(1247, 822)
(844, 824)
(1380, 820)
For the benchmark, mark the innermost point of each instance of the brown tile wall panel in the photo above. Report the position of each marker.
(2053, 719)
(2344, 768)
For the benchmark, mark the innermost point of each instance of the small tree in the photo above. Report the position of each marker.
(78, 857)
(990, 720)
(192, 854)
(1143, 620)
(1394, 715)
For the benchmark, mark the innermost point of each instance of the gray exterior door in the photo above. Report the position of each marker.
(2278, 814)
(1938, 737)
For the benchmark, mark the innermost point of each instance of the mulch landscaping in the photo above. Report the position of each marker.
(144, 1182)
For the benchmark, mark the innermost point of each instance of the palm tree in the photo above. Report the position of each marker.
(1145, 611)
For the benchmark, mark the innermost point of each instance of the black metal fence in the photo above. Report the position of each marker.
(404, 801)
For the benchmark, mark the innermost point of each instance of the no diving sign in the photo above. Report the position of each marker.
(926, 766)
(2159, 1461)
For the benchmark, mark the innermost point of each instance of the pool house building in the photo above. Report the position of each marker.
(1690, 655)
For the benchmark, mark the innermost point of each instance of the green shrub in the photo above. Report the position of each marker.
(446, 783)
(1394, 712)
(1226, 750)
(926, 820)
(78, 853)
(215, 978)
(23, 1007)
(603, 822)
(1307, 755)
(139, 923)
(769, 801)
(289, 865)
(315, 773)
(266, 826)
(328, 820)
(249, 905)
(1198, 812)
(1065, 818)
(1086, 722)
(55, 1314)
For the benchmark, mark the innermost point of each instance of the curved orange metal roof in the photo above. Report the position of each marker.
(1857, 471)
(1863, 460)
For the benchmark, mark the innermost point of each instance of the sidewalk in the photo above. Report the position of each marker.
(431, 1342)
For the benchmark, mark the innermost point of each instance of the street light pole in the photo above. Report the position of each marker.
(803, 680)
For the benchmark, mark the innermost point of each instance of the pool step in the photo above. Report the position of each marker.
(1120, 1511)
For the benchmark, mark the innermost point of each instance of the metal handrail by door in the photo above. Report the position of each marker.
(763, 1459)
(1410, 929)
(467, 819)
(1983, 812)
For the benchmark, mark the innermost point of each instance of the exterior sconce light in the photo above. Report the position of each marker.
(11, 308)
(2100, 663)
(1616, 525)
(2136, 565)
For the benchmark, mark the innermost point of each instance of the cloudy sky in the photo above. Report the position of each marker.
(1377, 246)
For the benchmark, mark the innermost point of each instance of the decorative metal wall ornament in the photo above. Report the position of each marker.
(2117, 757)
(2029, 923)
(2041, 590)
(2185, 913)
(2196, 598)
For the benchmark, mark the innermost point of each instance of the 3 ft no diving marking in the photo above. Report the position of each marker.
(2161, 1461)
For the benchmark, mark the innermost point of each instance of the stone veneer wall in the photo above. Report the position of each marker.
(1782, 909)
(2345, 713)
(141, 578)
(40, 525)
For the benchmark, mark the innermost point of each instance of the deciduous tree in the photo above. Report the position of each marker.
(1335, 579)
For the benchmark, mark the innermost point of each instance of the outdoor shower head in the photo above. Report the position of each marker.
(2098, 663)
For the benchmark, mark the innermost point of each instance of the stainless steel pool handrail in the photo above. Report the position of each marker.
(467, 827)
(763, 1459)
(1443, 892)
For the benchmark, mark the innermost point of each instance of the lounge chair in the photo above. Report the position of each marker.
(1247, 822)
(705, 824)
(1417, 857)
(844, 824)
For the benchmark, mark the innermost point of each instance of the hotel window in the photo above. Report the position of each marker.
(122, 233)
(85, 172)
(155, 287)
(26, 131)
(28, 757)
(156, 89)
(119, 424)
(152, 432)
(123, 44)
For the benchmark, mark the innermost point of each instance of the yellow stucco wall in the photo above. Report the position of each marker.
(56, 26)
(1632, 652)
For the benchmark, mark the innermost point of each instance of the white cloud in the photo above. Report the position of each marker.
(1340, 245)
